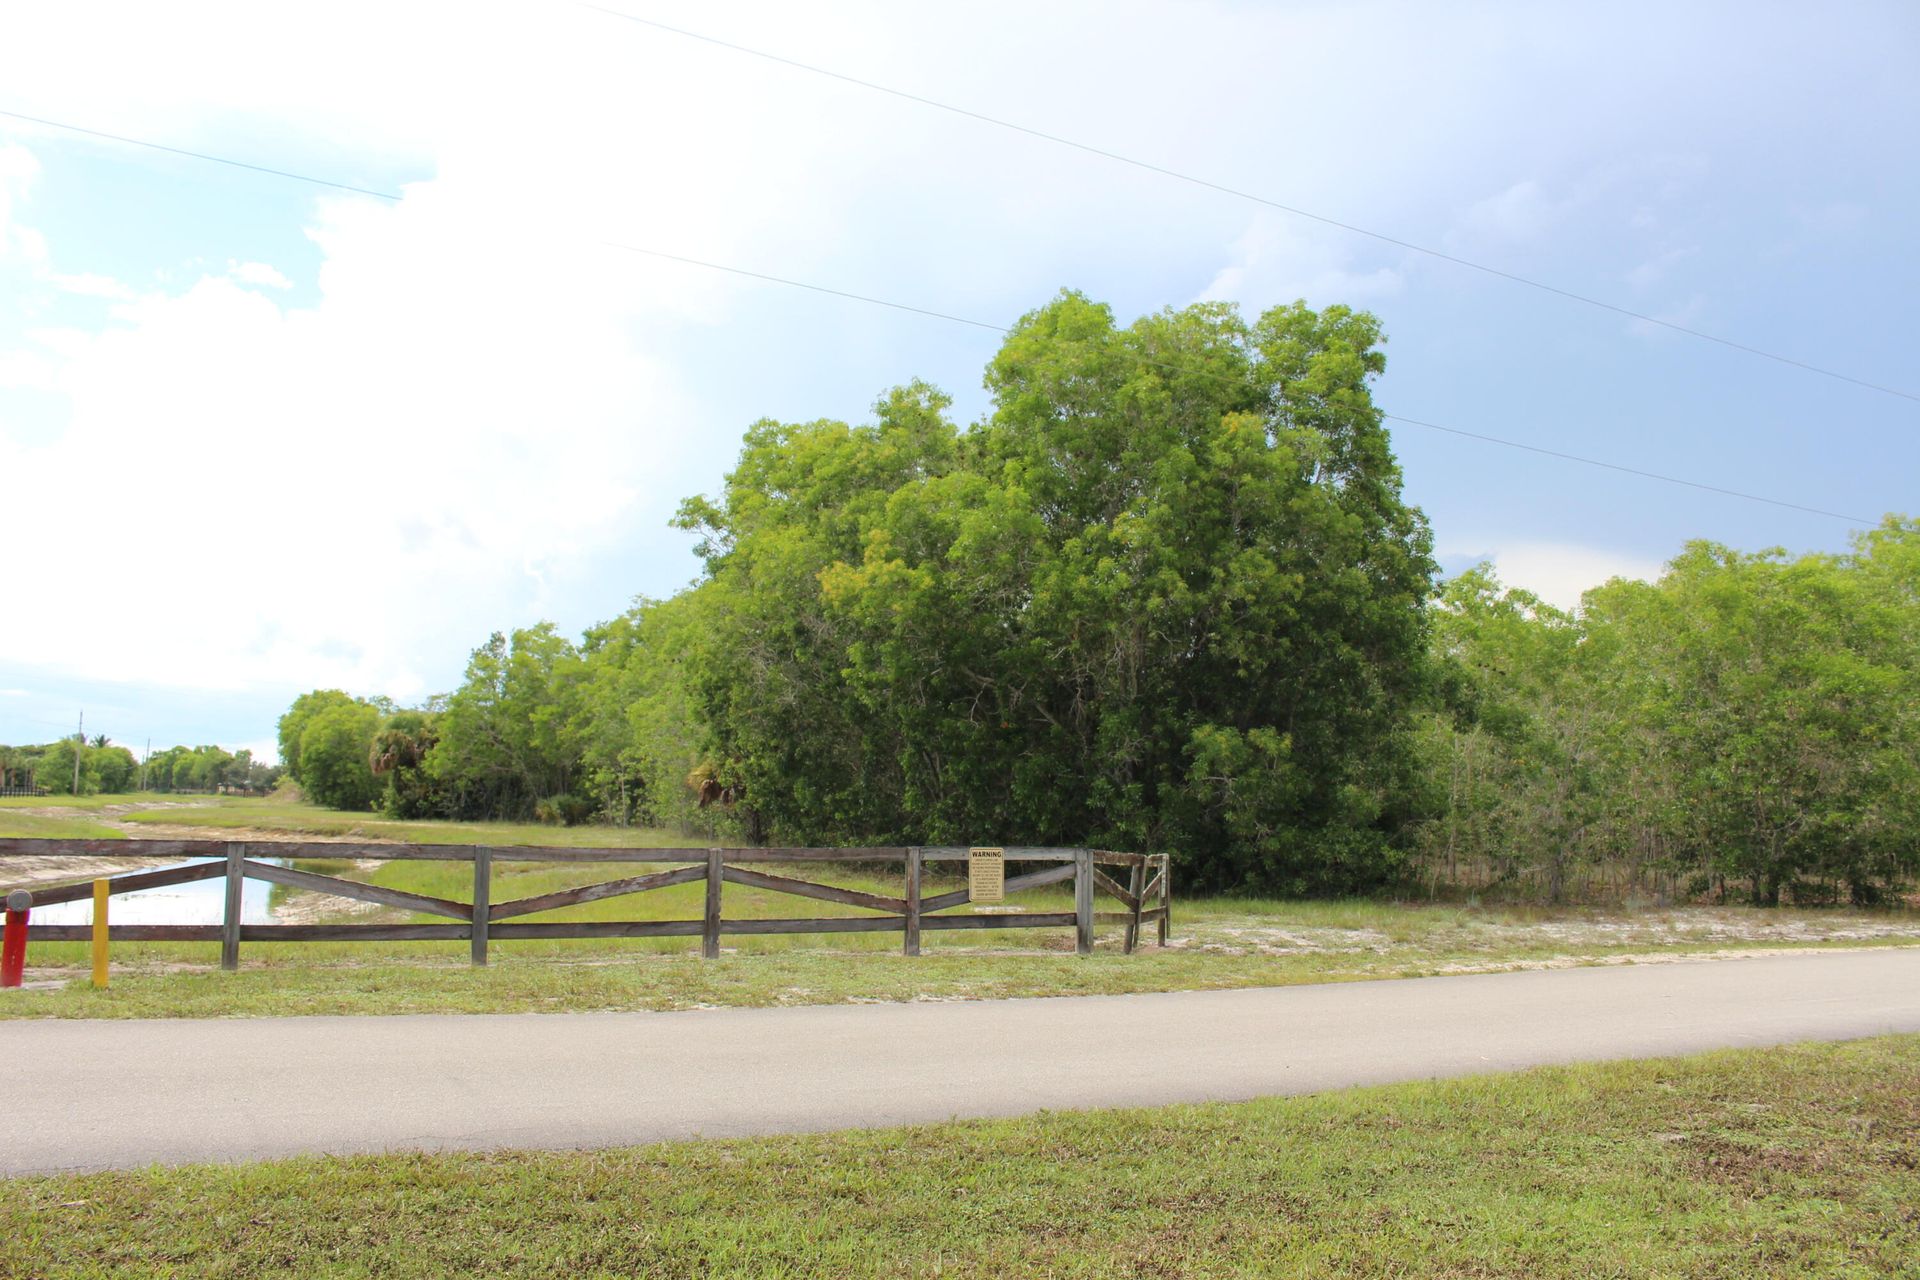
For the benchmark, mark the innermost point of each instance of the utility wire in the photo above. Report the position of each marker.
(1393, 417)
(1249, 196)
(954, 319)
(199, 155)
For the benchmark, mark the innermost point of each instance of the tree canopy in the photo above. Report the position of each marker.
(1166, 595)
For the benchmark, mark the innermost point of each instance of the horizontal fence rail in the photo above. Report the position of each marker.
(1145, 897)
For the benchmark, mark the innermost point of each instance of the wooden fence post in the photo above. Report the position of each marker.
(1166, 897)
(102, 890)
(1136, 885)
(1083, 901)
(482, 901)
(710, 930)
(913, 901)
(230, 924)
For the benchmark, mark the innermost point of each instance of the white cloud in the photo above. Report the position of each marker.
(257, 273)
(1274, 260)
(463, 397)
(1654, 270)
(1522, 211)
(1559, 573)
(352, 490)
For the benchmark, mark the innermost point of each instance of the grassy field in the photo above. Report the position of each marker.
(1218, 942)
(1791, 1162)
(140, 813)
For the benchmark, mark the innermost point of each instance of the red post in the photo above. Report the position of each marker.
(13, 944)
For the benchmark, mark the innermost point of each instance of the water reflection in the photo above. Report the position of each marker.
(201, 902)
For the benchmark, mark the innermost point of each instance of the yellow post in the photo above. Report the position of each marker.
(100, 891)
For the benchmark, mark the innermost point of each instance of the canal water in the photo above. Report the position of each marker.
(201, 902)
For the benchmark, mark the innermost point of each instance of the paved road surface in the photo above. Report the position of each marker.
(89, 1095)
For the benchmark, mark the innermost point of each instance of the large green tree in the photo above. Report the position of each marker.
(510, 735)
(333, 761)
(1166, 596)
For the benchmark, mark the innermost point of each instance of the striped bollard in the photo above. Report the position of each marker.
(13, 942)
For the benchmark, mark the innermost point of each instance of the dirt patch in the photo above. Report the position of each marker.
(302, 906)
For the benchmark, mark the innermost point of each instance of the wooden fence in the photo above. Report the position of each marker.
(912, 913)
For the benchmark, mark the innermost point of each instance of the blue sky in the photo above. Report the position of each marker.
(264, 437)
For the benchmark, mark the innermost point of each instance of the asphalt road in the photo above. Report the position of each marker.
(92, 1095)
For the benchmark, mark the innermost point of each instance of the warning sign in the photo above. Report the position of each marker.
(987, 875)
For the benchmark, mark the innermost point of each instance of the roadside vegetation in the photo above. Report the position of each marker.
(1217, 941)
(1766, 1163)
(1167, 595)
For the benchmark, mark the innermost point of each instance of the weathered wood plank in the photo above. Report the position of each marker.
(1024, 920)
(914, 863)
(23, 847)
(80, 892)
(809, 889)
(527, 853)
(1165, 908)
(1083, 874)
(876, 853)
(710, 931)
(600, 929)
(481, 906)
(1031, 880)
(125, 932)
(294, 878)
(1112, 858)
(339, 850)
(1014, 853)
(355, 932)
(230, 921)
(844, 924)
(596, 892)
(1107, 885)
(1136, 882)
(805, 853)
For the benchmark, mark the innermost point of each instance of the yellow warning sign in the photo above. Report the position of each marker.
(987, 875)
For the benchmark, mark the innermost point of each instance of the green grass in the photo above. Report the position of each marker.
(294, 818)
(87, 802)
(1793, 1162)
(47, 827)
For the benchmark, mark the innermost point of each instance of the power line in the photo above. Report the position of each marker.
(964, 320)
(1394, 417)
(199, 155)
(1239, 194)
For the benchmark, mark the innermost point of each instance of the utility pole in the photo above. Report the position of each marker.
(148, 755)
(79, 745)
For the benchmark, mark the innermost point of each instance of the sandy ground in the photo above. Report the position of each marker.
(1693, 927)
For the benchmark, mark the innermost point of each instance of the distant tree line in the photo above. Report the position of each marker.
(1167, 595)
(1749, 725)
(107, 768)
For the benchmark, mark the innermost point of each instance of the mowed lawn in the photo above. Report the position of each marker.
(1794, 1162)
(1217, 942)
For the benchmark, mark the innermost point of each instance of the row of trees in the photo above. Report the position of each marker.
(1167, 595)
(1749, 719)
(107, 768)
